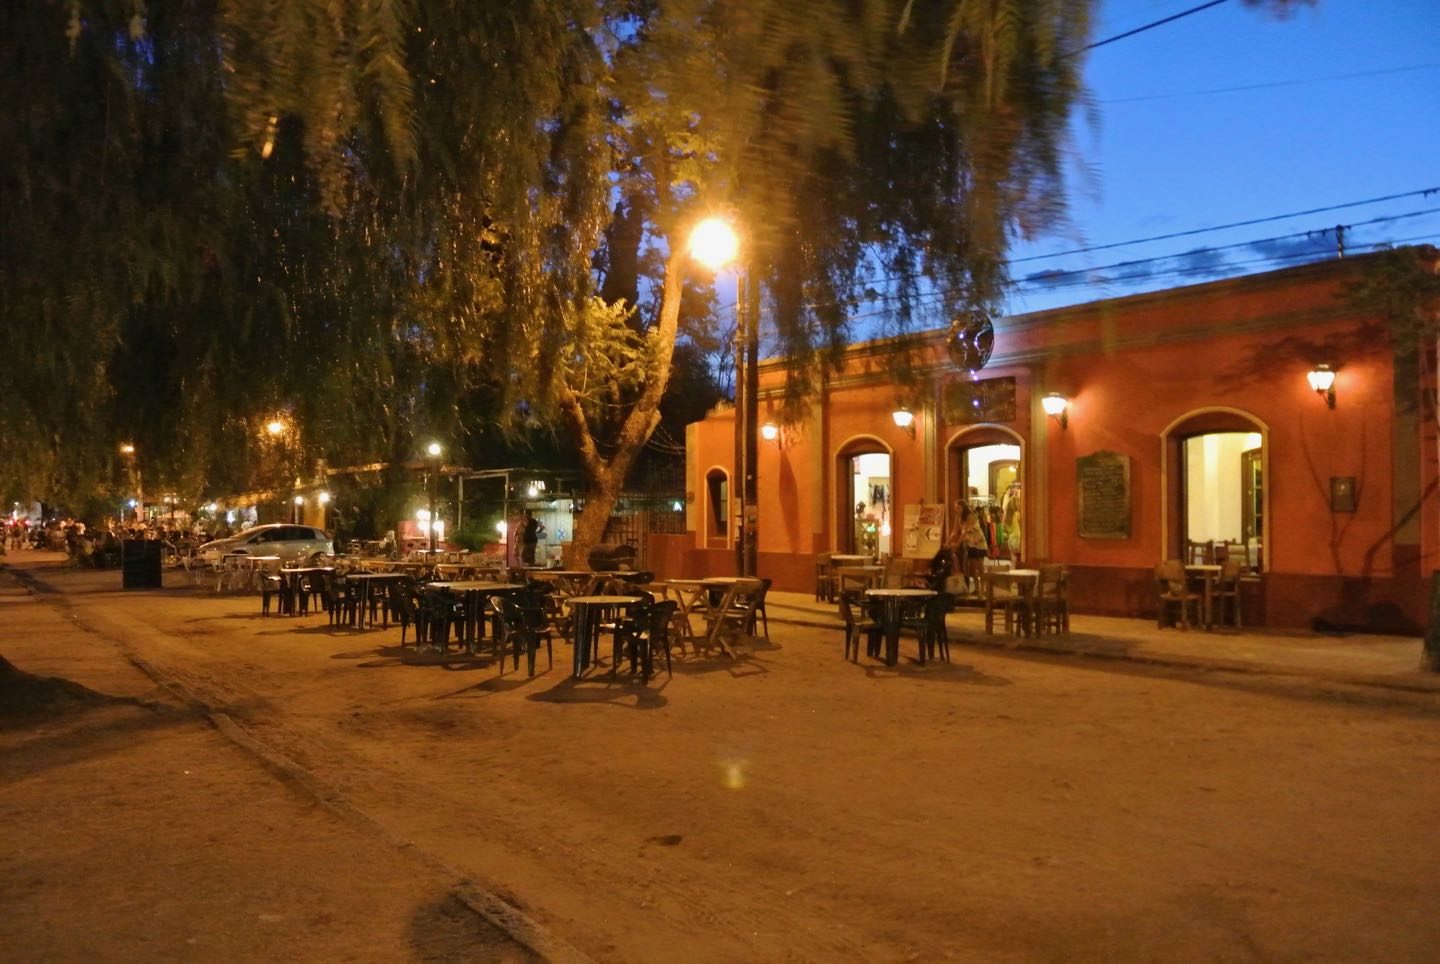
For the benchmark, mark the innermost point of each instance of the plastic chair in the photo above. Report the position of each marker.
(855, 626)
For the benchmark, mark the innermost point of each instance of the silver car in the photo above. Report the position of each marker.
(291, 543)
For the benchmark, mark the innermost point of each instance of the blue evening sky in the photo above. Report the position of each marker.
(1232, 114)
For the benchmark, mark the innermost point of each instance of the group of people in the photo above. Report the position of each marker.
(978, 532)
(99, 547)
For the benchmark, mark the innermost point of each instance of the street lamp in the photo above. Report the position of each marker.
(295, 516)
(434, 450)
(714, 243)
(127, 452)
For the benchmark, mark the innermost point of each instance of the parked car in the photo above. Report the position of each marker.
(291, 543)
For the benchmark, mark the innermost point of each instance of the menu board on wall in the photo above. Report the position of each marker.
(924, 531)
(1102, 488)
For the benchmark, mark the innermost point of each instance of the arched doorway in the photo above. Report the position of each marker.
(717, 509)
(984, 466)
(865, 499)
(1216, 503)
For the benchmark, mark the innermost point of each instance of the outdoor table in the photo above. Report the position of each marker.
(716, 586)
(293, 599)
(1207, 576)
(245, 566)
(689, 593)
(589, 612)
(893, 603)
(568, 581)
(367, 582)
(472, 594)
(869, 575)
(1025, 580)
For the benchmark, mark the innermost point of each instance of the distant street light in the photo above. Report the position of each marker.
(714, 243)
(434, 450)
(132, 466)
(275, 427)
(299, 504)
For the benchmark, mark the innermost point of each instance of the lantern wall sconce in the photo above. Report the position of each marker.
(1322, 380)
(769, 431)
(1057, 407)
(905, 419)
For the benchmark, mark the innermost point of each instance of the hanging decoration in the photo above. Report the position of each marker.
(971, 340)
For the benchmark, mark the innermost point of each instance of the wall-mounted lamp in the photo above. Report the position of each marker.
(1322, 380)
(1055, 406)
(769, 431)
(905, 419)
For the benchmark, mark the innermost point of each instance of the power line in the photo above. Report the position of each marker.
(1086, 276)
(1424, 192)
(1148, 26)
(1160, 258)
(1277, 83)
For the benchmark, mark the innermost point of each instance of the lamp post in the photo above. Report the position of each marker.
(127, 452)
(434, 450)
(713, 242)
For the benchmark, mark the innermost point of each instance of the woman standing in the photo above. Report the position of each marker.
(967, 543)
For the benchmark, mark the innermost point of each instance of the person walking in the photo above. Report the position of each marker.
(530, 532)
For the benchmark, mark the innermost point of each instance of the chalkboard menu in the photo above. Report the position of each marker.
(1102, 486)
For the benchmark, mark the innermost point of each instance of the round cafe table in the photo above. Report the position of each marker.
(893, 603)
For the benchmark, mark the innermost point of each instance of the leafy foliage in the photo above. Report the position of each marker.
(393, 219)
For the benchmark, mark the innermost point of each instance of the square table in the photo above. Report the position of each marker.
(893, 603)
(589, 612)
(1025, 581)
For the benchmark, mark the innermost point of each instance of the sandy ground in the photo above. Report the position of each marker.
(785, 806)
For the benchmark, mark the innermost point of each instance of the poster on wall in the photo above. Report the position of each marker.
(1102, 486)
(924, 531)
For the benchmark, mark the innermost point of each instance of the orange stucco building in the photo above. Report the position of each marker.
(1189, 420)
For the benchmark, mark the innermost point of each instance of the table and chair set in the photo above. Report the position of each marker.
(507, 614)
(1205, 595)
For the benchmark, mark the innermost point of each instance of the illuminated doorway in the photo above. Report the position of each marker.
(1223, 495)
(985, 469)
(1215, 479)
(867, 508)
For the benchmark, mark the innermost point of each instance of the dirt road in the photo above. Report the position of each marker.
(786, 806)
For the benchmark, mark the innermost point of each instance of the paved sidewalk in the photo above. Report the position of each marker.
(1357, 659)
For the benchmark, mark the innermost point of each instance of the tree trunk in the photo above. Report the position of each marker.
(605, 478)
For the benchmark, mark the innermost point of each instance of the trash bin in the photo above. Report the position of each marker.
(140, 561)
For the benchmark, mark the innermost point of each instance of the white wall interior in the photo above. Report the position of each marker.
(870, 471)
(978, 462)
(1212, 484)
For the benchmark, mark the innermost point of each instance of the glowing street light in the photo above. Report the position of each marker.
(434, 450)
(127, 452)
(715, 244)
